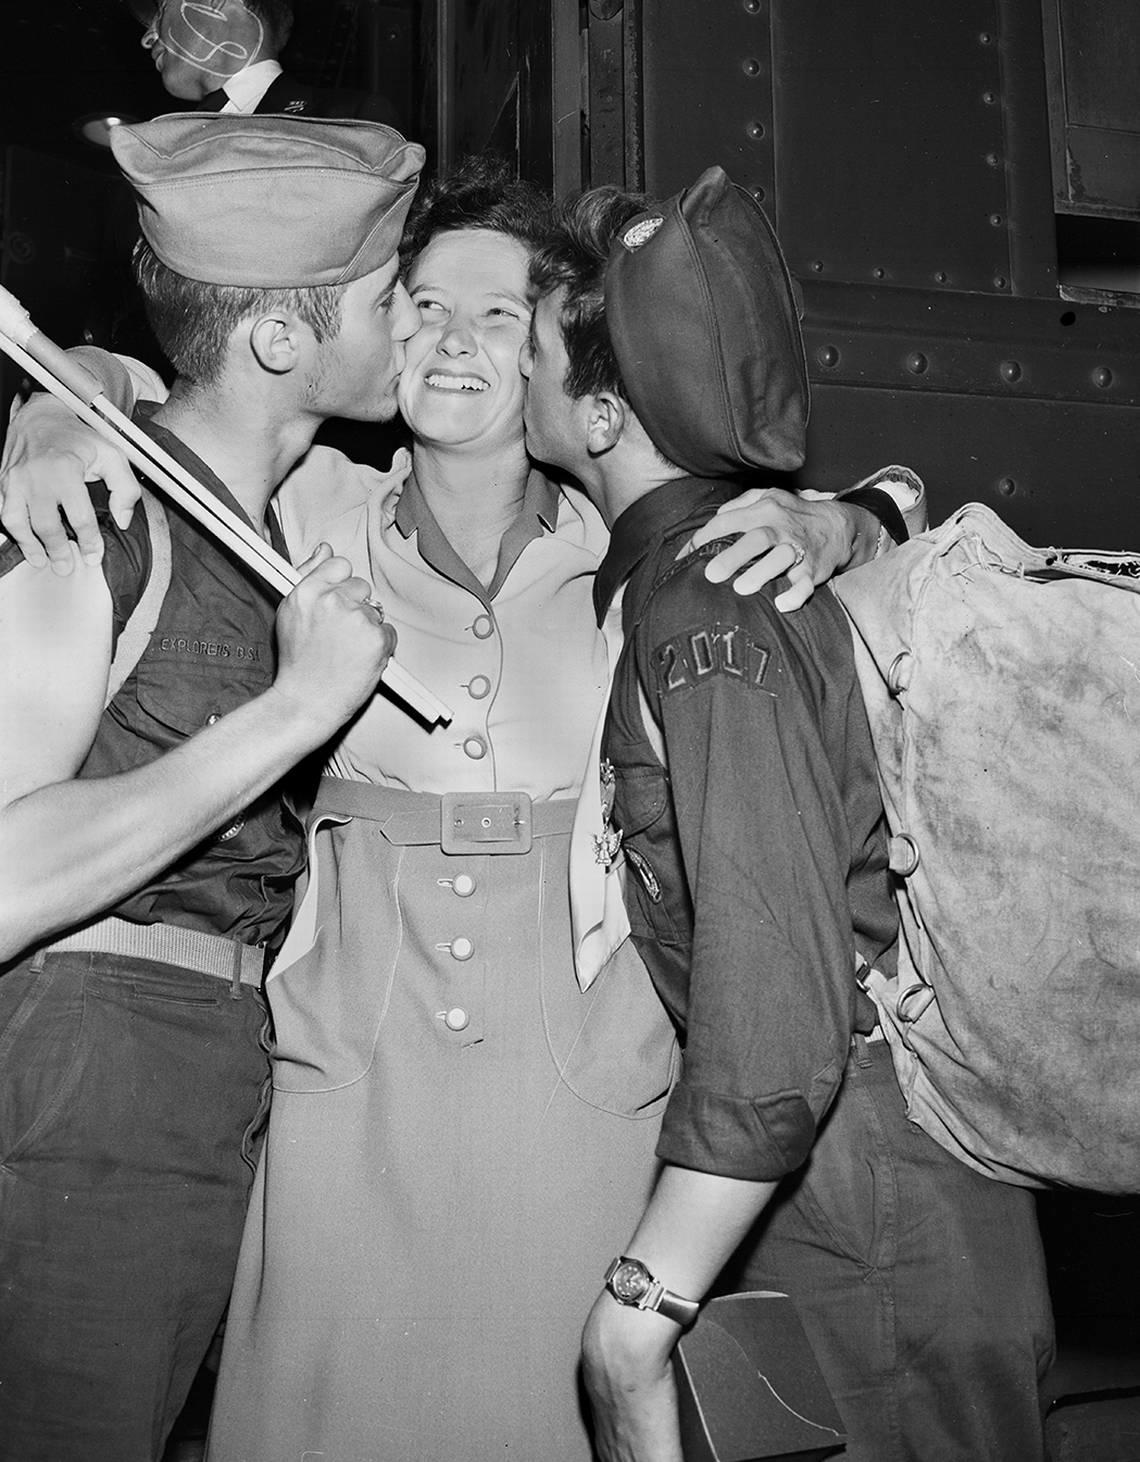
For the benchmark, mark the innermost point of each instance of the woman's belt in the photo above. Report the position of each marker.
(487, 823)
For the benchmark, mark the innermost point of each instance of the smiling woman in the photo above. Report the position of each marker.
(462, 381)
(456, 1128)
(460, 1136)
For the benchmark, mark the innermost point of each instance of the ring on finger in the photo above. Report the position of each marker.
(800, 553)
(379, 608)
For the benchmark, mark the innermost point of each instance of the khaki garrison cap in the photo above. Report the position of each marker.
(269, 201)
(704, 324)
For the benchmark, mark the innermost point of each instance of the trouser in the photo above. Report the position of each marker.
(921, 1284)
(130, 1094)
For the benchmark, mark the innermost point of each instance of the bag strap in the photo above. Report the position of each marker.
(139, 627)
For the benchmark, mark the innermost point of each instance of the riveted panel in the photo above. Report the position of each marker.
(890, 151)
(1059, 473)
(707, 93)
(1016, 350)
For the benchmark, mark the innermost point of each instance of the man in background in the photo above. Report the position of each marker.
(222, 56)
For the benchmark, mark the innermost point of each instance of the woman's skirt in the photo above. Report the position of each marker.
(460, 1141)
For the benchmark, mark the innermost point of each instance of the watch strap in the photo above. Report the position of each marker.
(655, 1296)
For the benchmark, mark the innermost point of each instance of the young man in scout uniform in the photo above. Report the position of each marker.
(665, 356)
(148, 853)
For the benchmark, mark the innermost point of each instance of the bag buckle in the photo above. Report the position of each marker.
(471, 822)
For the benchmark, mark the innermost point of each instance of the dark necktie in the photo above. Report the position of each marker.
(214, 102)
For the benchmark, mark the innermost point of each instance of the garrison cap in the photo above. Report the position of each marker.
(704, 324)
(269, 201)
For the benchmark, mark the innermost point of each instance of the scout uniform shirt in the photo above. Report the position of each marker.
(756, 863)
(211, 650)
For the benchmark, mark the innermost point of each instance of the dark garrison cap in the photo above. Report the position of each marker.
(704, 324)
(269, 201)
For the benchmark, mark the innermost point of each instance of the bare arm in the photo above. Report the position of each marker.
(71, 848)
(691, 1227)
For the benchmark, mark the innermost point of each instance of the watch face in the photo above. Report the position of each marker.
(630, 1281)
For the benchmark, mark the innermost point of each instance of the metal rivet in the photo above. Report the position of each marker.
(1102, 377)
(916, 363)
(989, 97)
(941, 277)
(996, 220)
(756, 130)
(752, 67)
(992, 159)
(828, 356)
(899, 672)
(985, 39)
(817, 266)
(1000, 281)
(903, 854)
(1007, 487)
(757, 193)
(1010, 371)
(752, 7)
(913, 1001)
(879, 272)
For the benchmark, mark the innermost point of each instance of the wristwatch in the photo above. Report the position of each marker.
(631, 1283)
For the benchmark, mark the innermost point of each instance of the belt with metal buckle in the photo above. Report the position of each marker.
(208, 954)
(485, 823)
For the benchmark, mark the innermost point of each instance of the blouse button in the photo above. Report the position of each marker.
(478, 688)
(483, 627)
(456, 1019)
(462, 948)
(463, 885)
(475, 747)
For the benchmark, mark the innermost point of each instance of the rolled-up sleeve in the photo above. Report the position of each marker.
(743, 709)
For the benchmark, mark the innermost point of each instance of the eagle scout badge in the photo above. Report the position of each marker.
(607, 843)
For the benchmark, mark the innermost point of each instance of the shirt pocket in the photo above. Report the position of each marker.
(175, 698)
(172, 701)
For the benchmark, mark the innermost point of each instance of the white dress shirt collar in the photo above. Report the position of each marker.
(246, 87)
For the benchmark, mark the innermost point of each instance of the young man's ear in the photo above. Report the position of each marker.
(275, 341)
(605, 422)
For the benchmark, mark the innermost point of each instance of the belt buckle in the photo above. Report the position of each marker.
(473, 822)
